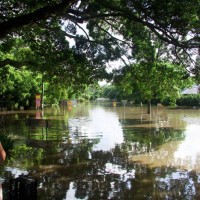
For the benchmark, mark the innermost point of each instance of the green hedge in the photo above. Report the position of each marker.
(189, 100)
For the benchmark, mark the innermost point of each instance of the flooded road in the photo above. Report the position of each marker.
(96, 151)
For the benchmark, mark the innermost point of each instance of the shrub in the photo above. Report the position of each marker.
(189, 100)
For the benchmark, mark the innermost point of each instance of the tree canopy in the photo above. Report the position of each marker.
(38, 34)
(168, 19)
(175, 22)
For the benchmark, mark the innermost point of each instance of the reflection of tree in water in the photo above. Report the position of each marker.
(74, 153)
(92, 181)
(146, 184)
(177, 184)
(96, 175)
(138, 141)
(107, 175)
(153, 183)
(149, 183)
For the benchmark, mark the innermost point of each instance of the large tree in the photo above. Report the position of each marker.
(168, 19)
(175, 22)
(153, 72)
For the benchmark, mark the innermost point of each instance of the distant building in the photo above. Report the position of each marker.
(195, 89)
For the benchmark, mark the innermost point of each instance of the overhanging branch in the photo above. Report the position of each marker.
(40, 14)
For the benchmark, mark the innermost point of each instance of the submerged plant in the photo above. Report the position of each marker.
(7, 142)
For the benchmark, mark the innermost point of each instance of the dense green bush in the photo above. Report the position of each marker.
(189, 100)
(192, 100)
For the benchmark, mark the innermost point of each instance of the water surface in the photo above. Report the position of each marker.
(96, 151)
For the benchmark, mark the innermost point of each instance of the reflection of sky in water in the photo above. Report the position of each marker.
(16, 171)
(189, 149)
(184, 154)
(108, 124)
(104, 125)
(71, 192)
(100, 124)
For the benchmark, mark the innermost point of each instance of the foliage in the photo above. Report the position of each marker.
(189, 100)
(7, 142)
(26, 156)
(37, 35)
(114, 92)
(18, 87)
(45, 26)
(159, 81)
(110, 92)
(151, 139)
(153, 73)
(196, 69)
(167, 19)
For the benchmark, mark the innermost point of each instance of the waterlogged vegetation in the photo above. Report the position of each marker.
(96, 151)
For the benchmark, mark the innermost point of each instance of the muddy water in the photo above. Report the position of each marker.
(96, 151)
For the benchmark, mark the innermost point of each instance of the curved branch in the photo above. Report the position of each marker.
(162, 32)
(83, 31)
(40, 14)
(123, 41)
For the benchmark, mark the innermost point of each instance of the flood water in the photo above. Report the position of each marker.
(97, 152)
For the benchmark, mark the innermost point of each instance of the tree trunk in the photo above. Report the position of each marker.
(149, 107)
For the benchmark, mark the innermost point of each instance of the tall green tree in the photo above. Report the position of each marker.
(38, 33)
(18, 87)
(55, 21)
(153, 72)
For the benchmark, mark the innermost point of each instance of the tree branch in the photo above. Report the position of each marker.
(40, 14)
(162, 32)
